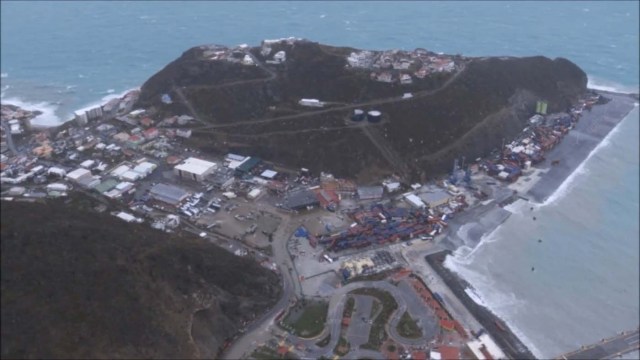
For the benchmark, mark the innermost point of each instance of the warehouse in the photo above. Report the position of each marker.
(301, 199)
(370, 192)
(168, 193)
(248, 164)
(195, 169)
(414, 201)
(436, 198)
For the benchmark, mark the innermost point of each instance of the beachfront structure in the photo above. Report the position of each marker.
(194, 169)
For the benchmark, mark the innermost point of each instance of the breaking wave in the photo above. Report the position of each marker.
(48, 117)
(484, 292)
(607, 85)
(568, 183)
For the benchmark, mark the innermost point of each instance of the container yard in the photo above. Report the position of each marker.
(378, 225)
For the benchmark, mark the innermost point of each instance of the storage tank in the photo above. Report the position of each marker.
(358, 115)
(374, 116)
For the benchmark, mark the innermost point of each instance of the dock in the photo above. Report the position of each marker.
(610, 348)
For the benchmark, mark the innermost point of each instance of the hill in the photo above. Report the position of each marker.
(248, 103)
(88, 285)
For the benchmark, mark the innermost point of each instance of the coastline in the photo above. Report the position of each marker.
(577, 145)
(541, 186)
(506, 339)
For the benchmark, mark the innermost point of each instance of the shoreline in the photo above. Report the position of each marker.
(548, 184)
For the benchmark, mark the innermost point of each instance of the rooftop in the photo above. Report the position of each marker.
(196, 166)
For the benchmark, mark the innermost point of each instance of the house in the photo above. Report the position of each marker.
(385, 77)
(121, 137)
(269, 174)
(185, 133)
(280, 57)
(151, 133)
(194, 169)
(405, 79)
(146, 122)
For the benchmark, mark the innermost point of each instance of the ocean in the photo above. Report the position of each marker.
(63, 56)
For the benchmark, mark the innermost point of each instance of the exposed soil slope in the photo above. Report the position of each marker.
(77, 284)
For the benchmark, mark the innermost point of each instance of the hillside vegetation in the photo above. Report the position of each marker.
(253, 109)
(77, 284)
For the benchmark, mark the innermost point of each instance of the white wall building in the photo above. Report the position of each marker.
(194, 169)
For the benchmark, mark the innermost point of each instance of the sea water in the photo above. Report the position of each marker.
(63, 56)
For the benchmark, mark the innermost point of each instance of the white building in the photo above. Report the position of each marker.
(145, 168)
(253, 194)
(311, 102)
(414, 201)
(194, 169)
(280, 57)
(269, 174)
(87, 164)
(131, 176)
(79, 175)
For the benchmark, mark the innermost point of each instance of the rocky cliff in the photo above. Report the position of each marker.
(77, 284)
(252, 109)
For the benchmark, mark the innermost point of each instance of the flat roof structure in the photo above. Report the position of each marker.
(195, 169)
(106, 185)
(436, 198)
(168, 193)
(300, 199)
(370, 192)
(120, 170)
(79, 174)
(248, 164)
(269, 174)
(414, 201)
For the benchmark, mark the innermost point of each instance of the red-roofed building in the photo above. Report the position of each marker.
(151, 133)
(146, 122)
(282, 350)
(447, 324)
(419, 355)
(327, 197)
(449, 352)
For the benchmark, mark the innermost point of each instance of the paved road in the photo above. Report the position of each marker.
(610, 348)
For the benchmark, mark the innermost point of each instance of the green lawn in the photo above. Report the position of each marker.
(342, 347)
(265, 353)
(309, 320)
(407, 327)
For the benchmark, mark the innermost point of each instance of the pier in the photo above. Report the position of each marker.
(609, 348)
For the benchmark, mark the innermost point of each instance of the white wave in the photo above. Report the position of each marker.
(567, 184)
(475, 297)
(110, 91)
(611, 86)
(47, 118)
(484, 292)
(323, 16)
(104, 100)
(516, 207)
(4, 75)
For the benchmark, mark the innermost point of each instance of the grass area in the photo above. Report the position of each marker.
(408, 328)
(374, 277)
(378, 335)
(268, 353)
(342, 347)
(375, 307)
(308, 320)
(348, 307)
(324, 342)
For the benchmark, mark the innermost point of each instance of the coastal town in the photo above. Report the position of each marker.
(361, 264)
